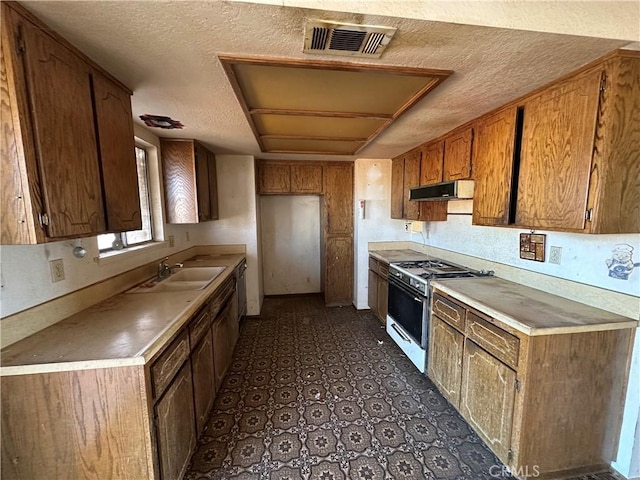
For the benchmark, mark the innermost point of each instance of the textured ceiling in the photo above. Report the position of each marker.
(166, 52)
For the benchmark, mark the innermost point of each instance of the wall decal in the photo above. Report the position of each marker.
(621, 262)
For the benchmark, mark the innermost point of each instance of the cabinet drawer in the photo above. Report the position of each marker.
(220, 297)
(163, 369)
(450, 312)
(198, 326)
(494, 340)
(379, 267)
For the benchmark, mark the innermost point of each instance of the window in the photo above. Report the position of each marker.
(118, 241)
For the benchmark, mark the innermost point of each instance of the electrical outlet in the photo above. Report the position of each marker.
(172, 241)
(57, 270)
(555, 254)
(407, 227)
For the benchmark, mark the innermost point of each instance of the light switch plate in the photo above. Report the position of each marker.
(57, 270)
(172, 241)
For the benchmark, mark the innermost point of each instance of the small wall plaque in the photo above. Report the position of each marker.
(532, 246)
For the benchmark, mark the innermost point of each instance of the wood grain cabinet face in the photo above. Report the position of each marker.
(445, 359)
(457, 155)
(410, 208)
(69, 140)
(487, 398)
(225, 336)
(274, 178)
(117, 153)
(557, 146)
(204, 379)
(306, 179)
(190, 177)
(493, 161)
(339, 271)
(175, 426)
(432, 163)
(378, 288)
(338, 199)
(397, 187)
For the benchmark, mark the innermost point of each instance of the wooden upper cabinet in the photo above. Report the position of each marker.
(117, 154)
(457, 155)
(493, 167)
(306, 179)
(411, 179)
(274, 178)
(557, 147)
(59, 96)
(338, 199)
(68, 163)
(432, 163)
(189, 180)
(397, 187)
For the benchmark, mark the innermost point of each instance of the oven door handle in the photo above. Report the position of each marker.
(400, 333)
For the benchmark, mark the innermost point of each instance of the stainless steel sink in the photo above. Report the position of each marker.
(188, 278)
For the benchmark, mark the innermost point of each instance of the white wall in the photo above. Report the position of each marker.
(290, 227)
(373, 184)
(26, 275)
(237, 221)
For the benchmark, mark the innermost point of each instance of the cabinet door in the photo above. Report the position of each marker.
(59, 86)
(411, 179)
(204, 383)
(493, 167)
(117, 155)
(457, 155)
(338, 199)
(338, 288)
(487, 397)
(557, 146)
(202, 183)
(445, 359)
(373, 292)
(431, 164)
(224, 341)
(306, 179)
(213, 187)
(179, 180)
(176, 433)
(383, 296)
(397, 187)
(274, 178)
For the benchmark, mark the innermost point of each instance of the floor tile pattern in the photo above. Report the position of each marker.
(322, 393)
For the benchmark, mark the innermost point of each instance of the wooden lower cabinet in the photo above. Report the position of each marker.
(204, 384)
(545, 404)
(225, 336)
(488, 381)
(378, 288)
(445, 359)
(175, 428)
(338, 279)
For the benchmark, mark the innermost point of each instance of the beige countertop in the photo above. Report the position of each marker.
(127, 329)
(528, 310)
(389, 256)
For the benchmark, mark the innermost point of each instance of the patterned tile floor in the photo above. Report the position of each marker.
(322, 393)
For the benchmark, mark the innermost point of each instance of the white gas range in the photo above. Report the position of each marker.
(409, 304)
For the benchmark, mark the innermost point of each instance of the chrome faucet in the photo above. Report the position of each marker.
(164, 270)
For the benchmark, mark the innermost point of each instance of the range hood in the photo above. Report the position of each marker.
(455, 190)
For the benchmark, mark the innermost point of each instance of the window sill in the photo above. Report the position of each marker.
(112, 256)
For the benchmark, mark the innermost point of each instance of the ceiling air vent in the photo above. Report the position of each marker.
(331, 38)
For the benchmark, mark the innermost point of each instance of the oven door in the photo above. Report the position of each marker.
(409, 309)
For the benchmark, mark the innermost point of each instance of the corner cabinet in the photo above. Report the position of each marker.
(406, 173)
(68, 159)
(516, 390)
(190, 181)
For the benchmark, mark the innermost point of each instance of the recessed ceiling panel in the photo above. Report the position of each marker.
(308, 126)
(296, 106)
(289, 145)
(318, 90)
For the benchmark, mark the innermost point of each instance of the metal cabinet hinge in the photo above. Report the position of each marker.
(510, 455)
(588, 215)
(20, 46)
(44, 219)
(517, 385)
